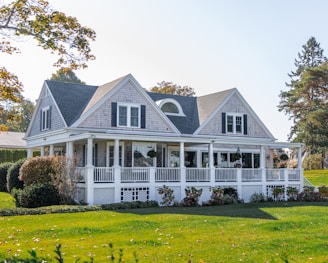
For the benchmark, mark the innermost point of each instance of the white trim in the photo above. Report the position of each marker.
(162, 102)
(128, 106)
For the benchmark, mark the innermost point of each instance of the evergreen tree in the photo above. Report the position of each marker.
(305, 101)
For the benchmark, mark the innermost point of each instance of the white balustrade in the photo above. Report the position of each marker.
(226, 175)
(251, 175)
(167, 174)
(197, 174)
(103, 175)
(135, 174)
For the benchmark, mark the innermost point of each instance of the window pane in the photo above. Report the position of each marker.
(230, 123)
(134, 117)
(122, 116)
(170, 108)
(238, 124)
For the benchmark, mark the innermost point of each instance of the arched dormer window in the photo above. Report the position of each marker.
(170, 107)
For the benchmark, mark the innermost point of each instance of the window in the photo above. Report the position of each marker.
(234, 123)
(45, 118)
(128, 116)
(170, 107)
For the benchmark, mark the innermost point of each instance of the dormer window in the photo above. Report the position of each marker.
(170, 107)
(128, 115)
(234, 123)
(45, 118)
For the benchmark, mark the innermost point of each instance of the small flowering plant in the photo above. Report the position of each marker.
(167, 195)
(192, 196)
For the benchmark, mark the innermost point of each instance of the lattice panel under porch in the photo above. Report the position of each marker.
(134, 194)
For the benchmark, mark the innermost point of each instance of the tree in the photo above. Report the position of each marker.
(16, 117)
(306, 97)
(66, 76)
(170, 88)
(51, 29)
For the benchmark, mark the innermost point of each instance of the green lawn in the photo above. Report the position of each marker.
(7, 201)
(268, 232)
(317, 177)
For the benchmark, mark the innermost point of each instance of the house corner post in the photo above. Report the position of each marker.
(299, 166)
(90, 169)
(182, 171)
(211, 164)
(263, 169)
(152, 187)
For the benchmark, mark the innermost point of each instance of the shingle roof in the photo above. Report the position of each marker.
(208, 103)
(71, 98)
(187, 124)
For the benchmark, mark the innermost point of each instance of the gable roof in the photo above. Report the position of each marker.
(186, 124)
(12, 140)
(209, 103)
(63, 92)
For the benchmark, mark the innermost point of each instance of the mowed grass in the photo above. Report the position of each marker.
(317, 177)
(7, 201)
(268, 232)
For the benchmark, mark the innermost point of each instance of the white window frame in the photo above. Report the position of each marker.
(160, 104)
(129, 107)
(44, 118)
(234, 123)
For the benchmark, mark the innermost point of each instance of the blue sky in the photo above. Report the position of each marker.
(209, 45)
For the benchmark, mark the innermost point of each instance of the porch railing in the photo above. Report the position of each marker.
(197, 175)
(168, 174)
(225, 175)
(251, 175)
(103, 175)
(164, 174)
(135, 174)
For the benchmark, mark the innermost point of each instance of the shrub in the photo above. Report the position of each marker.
(37, 170)
(192, 196)
(12, 176)
(4, 167)
(323, 191)
(257, 198)
(278, 192)
(167, 195)
(36, 195)
(9, 155)
(292, 193)
(58, 170)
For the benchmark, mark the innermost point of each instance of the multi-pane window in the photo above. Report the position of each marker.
(234, 124)
(45, 118)
(128, 116)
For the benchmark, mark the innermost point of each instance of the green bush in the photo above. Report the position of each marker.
(4, 167)
(37, 195)
(257, 198)
(12, 176)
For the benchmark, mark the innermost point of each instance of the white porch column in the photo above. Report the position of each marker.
(211, 164)
(263, 169)
(116, 153)
(117, 172)
(300, 168)
(89, 169)
(69, 149)
(52, 150)
(182, 171)
(29, 153)
(42, 152)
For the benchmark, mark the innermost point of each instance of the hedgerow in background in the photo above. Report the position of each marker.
(167, 195)
(12, 176)
(9, 155)
(4, 167)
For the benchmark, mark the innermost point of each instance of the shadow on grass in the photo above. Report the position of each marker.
(250, 210)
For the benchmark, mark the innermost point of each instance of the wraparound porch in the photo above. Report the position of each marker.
(116, 184)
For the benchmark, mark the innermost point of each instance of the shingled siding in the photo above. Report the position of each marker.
(234, 105)
(101, 118)
(56, 120)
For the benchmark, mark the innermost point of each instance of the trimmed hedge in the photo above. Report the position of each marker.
(4, 167)
(11, 155)
(36, 195)
(12, 176)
